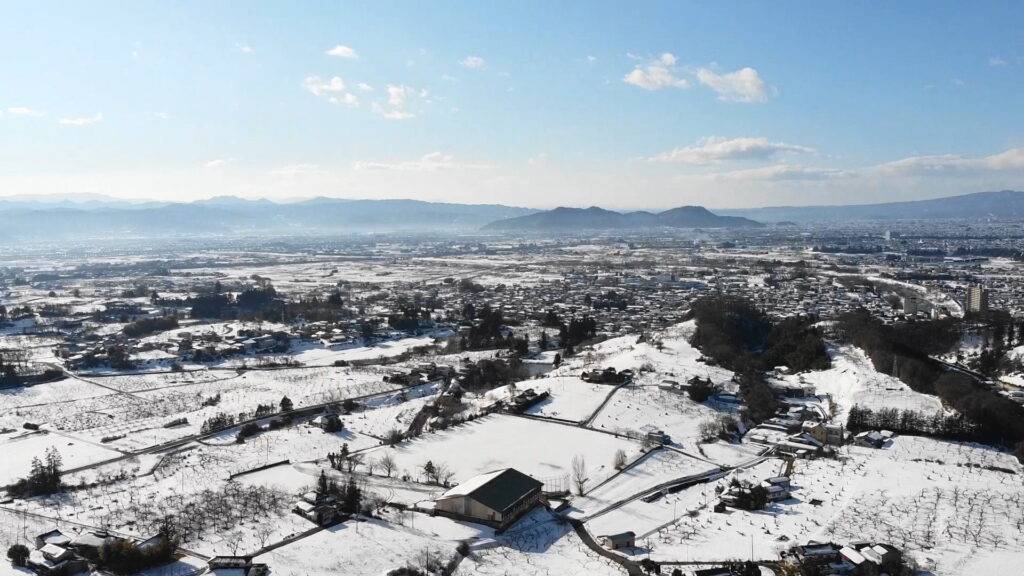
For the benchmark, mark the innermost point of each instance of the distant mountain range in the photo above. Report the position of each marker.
(228, 215)
(1004, 205)
(27, 218)
(594, 218)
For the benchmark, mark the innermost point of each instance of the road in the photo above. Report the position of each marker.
(586, 423)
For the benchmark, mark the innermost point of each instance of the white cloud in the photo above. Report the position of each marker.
(23, 111)
(245, 48)
(656, 75)
(996, 62)
(591, 59)
(538, 160)
(784, 172)
(217, 163)
(397, 107)
(716, 149)
(364, 87)
(951, 164)
(340, 51)
(332, 90)
(298, 170)
(320, 87)
(392, 114)
(95, 118)
(472, 62)
(163, 115)
(940, 167)
(744, 85)
(432, 162)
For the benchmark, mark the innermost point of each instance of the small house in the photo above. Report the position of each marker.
(618, 541)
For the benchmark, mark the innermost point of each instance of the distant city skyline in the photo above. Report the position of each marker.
(649, 105)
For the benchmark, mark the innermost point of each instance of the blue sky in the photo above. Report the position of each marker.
(626, 105)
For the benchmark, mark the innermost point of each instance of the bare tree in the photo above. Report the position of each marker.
(353, 461)
(709, 429)
(387, 464)
(264, 530)
(620, 459)
(442, 474)
(579, 474)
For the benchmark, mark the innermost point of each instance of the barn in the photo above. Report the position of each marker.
(497, 498)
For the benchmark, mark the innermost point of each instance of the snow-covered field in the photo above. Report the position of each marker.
(370, 548)
(538, 544)
(953, 506)
(18, 451)
(638, 410)
(541, 449)
(570, 397)
(853, 380)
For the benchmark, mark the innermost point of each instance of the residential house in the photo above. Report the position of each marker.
(618, 541)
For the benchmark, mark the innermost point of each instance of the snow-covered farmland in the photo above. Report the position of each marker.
(637, 410)
(570, 397)
(369, 548)
(18, 452)
(538, 544)
(952, 506)
(541, 449)
(854, 380)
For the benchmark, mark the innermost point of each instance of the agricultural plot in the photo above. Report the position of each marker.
(950, 506)
(570, 398)
(18, 452)
(854, 380)
(646, 518)
(540, 449)
(163, 380)
(220, 515)
(636, 410)
(381, 419)
(538, 544)
(308, 386)
(288, 477)
(663, 355)
(312, 354)
(59, 392)
(652, 469)
(367, 548)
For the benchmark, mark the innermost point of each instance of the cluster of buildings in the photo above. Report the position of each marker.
(853, 559)
(60, 554)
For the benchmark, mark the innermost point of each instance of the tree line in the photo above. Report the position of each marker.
(903, 351)
(733, 333)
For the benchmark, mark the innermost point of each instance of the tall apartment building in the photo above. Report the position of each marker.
(977, 299)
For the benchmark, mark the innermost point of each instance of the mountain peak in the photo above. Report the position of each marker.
(597, 218)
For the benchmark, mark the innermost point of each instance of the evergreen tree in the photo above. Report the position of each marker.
(323, 485)
(353, 497)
